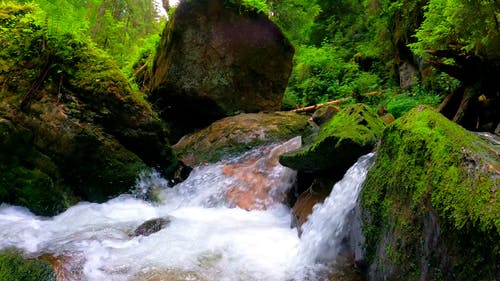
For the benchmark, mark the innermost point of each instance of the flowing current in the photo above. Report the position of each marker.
(227, 223)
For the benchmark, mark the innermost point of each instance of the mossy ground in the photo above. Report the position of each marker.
(431, 202)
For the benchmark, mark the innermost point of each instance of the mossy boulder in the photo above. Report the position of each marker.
(72, 128)
(430, 203)
(14, 267)
(339, 143)
(237, 134)
(217, 58)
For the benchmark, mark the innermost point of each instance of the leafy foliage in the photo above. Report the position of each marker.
(471, 26)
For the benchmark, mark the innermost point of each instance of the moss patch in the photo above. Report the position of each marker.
(343, 139)
(13, 267)
(430, 202)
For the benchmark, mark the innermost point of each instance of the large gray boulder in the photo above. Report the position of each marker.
(216, 59)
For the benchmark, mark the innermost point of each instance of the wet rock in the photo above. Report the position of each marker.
(315, 194)
(258, 180)
(151, 226)
(169, 275)
(339, 143)
(218, 58)
(430, 202)
(236, 134)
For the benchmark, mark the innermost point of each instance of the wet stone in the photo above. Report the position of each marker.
(151, 226)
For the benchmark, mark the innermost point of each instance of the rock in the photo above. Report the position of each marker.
(168, 275)
(340, 142)
(430, 203)
(303, 207)
(323, 114)
(388, 118)
(14, 267)
(258, 181)
(236, 134)
(151, 226)
(81, 134)
(408, 75)
(215, 59)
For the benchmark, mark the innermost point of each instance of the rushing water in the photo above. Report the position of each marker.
(209, 237)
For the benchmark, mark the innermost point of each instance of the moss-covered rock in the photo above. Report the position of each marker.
(339, 143)
(13, 267)
(430, 203)
(237, 134)
(71, 125)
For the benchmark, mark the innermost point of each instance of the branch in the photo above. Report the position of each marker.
(316, 106)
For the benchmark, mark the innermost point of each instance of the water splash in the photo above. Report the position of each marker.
(208, 237)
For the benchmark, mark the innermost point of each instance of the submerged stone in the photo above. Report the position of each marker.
(430, 203)
(217, 58)
(151, 226)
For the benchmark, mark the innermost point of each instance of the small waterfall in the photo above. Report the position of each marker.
(326, 232)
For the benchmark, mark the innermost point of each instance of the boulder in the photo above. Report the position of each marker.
(71, 126)
(339, 143)
(430, 203)
(237, 134)
(217, 58)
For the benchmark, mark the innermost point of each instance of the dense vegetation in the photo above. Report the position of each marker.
(349, 48)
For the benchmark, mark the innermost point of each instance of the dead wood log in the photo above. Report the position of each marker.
(316, 106)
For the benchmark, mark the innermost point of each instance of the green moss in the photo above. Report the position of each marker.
(13, 267)
(100, 167)
(340, 141)
(430, 171)
(33, 189)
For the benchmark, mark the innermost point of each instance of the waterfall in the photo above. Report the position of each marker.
(326, 232)
(215, 232)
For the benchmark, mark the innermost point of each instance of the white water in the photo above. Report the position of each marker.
(328, 227)
(206, 240)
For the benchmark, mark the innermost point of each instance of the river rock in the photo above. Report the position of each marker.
(80, 133)
(315, 194)
(236, 134)
(217, 58)
(430, 203)
(339, 143)
(151, 226)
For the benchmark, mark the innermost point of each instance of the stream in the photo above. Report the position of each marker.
(227, 222)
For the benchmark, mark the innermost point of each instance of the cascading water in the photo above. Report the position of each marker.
(328, 228)
(208, 238)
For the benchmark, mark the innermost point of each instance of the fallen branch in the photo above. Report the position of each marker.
(316, 106)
